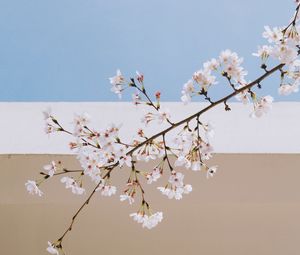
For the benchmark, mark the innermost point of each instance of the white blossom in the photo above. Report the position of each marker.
(273, 35)
(125, 197)
(176, 179)
(187, 91)
(107, 190)
(117, 83)
(73, 185)
(125, 160)
(285, 53)
(211, 65)
(154, 175)
(163, 115)
(287, 89)
(263, 106)
(232, 66)
(52, 249)
(147, 221)
(177, 187)
(33, 188)
(204, 78)
(211, 171)
(263, 51)
(243, 96)
(50, 168)
(209, 130)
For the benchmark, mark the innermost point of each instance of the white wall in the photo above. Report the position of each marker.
(22, 126)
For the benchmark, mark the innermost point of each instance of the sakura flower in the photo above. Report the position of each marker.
(243, 96)
(187, 189)
(33, 188)
(147, 118)
(263, 106)
(227, 57)
(152, 220)
(263, 52)
(211, 65)
(50, 127)
(175, 192)
(125, 160)
(176, 179)
(204, 78)
(136, 99)
(211, 171)
(287, 89)
(182, 161)
(150, 151)
(51, 168)
(154, 175)
(139, 77)
(52, 249)
(170, 193)
(80, 122)
(163, 115)
(127, 197)
(117, 82)
(78, 190)
(209, 130)
(273, 35)
(187, 91)
(148, 221)
(177, 187)
(118, 79)
(138, 217)
(231, 66)
(206, 150)
(71, 184)
(196, 166)
(107, 190)
(285, 53)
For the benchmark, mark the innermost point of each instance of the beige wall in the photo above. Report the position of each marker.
(252, 206)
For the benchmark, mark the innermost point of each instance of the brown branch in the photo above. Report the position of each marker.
(293, 22)
(166, 153)
(85, 203)
(174, 125)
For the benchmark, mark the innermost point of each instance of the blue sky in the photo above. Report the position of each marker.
(65, 50)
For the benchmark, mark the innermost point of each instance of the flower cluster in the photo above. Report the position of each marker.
(284, 47)
(117, 83)
(192, 148)
(175, 188)
(99, 152)
(33, 188)
(147, 220)
(161, 116)
(154, 175)
(228, 65)
(262, 106)
(73, 185)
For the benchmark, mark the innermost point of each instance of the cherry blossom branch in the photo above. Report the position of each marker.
(65, 171)
(222, 100)
(108, 151)
(166, 153)
(164, 132)
(150, 102)
(293, 22)
(84, 204)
